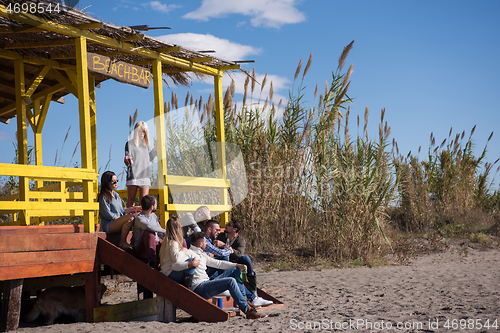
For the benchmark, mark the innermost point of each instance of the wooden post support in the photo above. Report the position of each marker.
(161, 147)
(85, 128)
(165, 310)
(93, 134)
(22, 135)
(11, 305)
(221, 141)
(91, 293)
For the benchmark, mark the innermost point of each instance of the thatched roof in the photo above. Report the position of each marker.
(39, 45)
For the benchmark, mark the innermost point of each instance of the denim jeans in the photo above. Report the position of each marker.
(245, 260)
(178, 276)
(227, 281)
(214, 272)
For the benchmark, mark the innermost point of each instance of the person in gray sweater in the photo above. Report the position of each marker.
(137, 159)
(148, 232)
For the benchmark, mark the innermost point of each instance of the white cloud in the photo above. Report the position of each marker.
(160, 7)
(224, 48)
(266, 13)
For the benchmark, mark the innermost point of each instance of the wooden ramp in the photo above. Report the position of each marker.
(159, 283)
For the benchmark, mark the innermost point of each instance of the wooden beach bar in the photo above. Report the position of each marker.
(45, 56)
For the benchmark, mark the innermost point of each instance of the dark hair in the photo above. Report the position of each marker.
(147, 201)
(210, 224)
(106, 186)
(237, 225)
(196, 238)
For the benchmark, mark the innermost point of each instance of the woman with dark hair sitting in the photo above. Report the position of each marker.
(115, 218)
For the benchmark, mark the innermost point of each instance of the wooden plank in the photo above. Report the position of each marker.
(11, 305)
(92, 299)
(125, 311)
(34, 284)
(47, 206)
(165, 310)
(46, 242)
(159, 283)
(31, 271)
(44, 257)
(47, 172)
(119, 70)
(42, 229)
(29, 45)
(192, 208)
(197, 181)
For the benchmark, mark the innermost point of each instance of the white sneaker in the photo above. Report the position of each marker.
(225, 294)
(259, 301)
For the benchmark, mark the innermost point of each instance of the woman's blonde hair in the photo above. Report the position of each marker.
(174, 230)
(140, 127)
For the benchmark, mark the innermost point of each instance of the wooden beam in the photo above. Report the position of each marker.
(92, 281)
(192, 207)
(106, 41)
(228, 67)
(15, 30)
(47, 206)
(85, 128)
(133, 37)
(11, 305)
(9, 97)
(22, 135)
(221, 147)
(50, 269)
(43, 256)
(67, 84)
(201, 59)
(182, 181)
(52, 90)
(47, 229)
(30, 243)
(10, 55)
(52, 43)
(87, 26)
(171, 49)
(125, 311)
(63, 56)
(47, 172)
(160, 134)
(37, 79)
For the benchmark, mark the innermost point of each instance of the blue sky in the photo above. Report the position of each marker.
(431, 64)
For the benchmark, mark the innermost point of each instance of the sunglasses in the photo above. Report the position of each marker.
(113, 182)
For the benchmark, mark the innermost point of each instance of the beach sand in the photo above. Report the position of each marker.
(455, 287)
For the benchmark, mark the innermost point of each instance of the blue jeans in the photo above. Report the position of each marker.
(245, 260)
(227, 281)
(214, 272)
(178, 276)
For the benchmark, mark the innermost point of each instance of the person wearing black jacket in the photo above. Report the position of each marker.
(232, 239)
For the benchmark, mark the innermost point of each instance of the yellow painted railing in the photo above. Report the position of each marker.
(50, 202)
(178, 184)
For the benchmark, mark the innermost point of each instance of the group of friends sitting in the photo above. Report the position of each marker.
(199, 256)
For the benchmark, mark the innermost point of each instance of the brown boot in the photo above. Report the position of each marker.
(253, 314)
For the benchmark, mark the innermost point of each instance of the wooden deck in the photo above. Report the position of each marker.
(44, 251)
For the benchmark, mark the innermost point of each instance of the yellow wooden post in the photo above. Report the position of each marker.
(38, 143)
(85, 128)
(161, 144)
(93, 134)
(221, 141)
(22, 135)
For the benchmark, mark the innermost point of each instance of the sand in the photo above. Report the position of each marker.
(441, 292)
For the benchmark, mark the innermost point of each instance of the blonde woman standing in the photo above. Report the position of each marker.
(137, 159)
